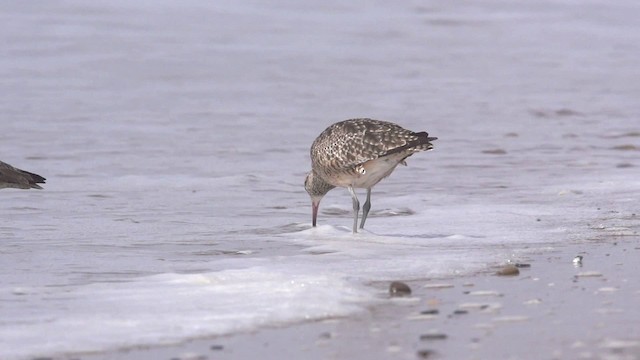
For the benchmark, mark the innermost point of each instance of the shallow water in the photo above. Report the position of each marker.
(174, 139)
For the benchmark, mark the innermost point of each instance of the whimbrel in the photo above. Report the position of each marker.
(358, 153)
(11, 177)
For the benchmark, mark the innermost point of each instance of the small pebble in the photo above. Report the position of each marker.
(430, 312)
(508, 270)
(398, 289)
(494, 151)
(216, 347)
(425, 354)
(460, 312)
(435, 336)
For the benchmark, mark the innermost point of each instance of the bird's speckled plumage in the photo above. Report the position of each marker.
(358, 153)
(11, 177)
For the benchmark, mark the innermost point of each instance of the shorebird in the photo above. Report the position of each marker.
(358, 153)
(11, 177)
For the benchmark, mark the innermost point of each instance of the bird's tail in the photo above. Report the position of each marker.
(425, 136)
(422, 142)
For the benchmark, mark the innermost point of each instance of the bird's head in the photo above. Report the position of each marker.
(317, 188)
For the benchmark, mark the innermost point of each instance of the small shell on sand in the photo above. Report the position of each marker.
(589, 274)
(607, 289)
(508, 270)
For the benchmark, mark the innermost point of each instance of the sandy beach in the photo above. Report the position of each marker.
(554, 308)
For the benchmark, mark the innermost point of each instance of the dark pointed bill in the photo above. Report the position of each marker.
(314, 216)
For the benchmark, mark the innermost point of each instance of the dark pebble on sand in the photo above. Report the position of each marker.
(508, 270)
(430, 312)
(460, 312)
(398, 288)
(495, 151)
(425, 354)
(437, 336)
(216, 347)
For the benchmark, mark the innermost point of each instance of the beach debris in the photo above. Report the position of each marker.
(430, 312)
(577, 261)
(399, 289)
(589, 274)
(608, 289)
(421, 317)
(483, 307)
(508, 270)
(425, 354)
(438, 286)
(485, 293)
(433, 336)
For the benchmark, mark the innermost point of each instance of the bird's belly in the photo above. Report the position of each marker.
(376, 170)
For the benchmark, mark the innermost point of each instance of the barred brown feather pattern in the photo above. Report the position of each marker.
(345, 145)
(358, 153)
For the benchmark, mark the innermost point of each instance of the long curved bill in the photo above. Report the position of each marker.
(314, 212)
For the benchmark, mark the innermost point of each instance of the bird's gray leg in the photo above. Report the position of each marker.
(365, 208)
(356, 209)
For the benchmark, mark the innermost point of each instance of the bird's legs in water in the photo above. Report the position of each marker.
(356, 209)
(365, 208)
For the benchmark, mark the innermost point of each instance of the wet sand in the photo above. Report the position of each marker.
(554, 308)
